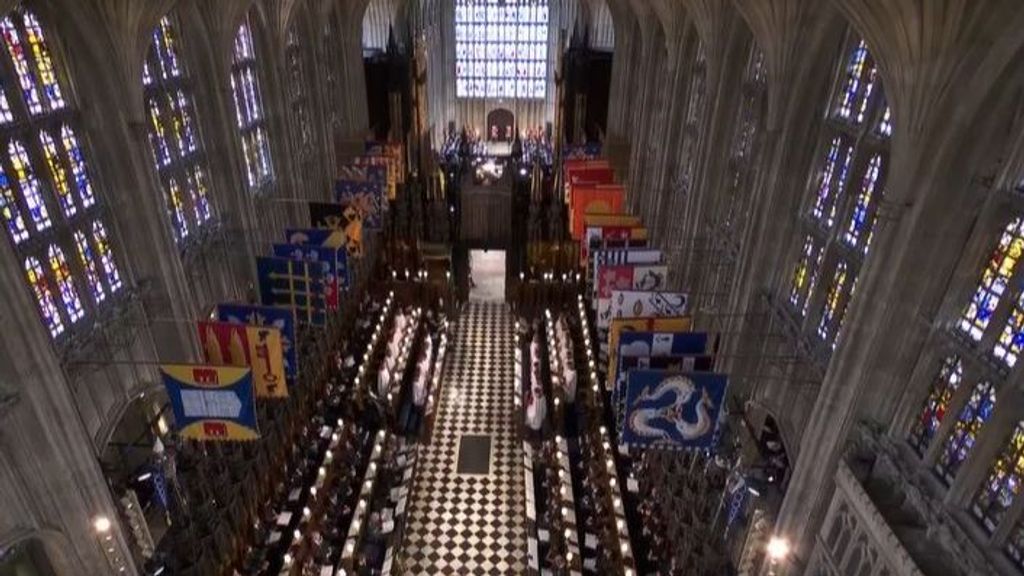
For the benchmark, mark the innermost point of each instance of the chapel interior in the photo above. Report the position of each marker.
(511, 287)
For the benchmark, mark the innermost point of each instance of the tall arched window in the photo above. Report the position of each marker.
(298, 95)
(936, 405)
(993, 499)
(846, 186)
(735, 205)
(252, 120)
(174, 133)
(51, 212)
(972, 417)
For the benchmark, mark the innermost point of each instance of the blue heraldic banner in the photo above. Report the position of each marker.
(281, 318)
(211, 402)
(366, 196)
(296, 284)
(673, 409)
(642, 344)
(333, 265)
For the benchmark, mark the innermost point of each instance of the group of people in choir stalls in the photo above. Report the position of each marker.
(396, 358)
(563, 373)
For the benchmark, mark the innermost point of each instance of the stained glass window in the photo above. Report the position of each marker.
(501, 49)
(248, 100)
(972, 417)
(6, 116)
(995, 496)
(44, 65)
(16, 50)
(833, 180)
(11, 211)
(994, 280)
(87, 258)
(805, 274)
(936, 404)
(44, 296)
(858, 84)
(65, 283)
(29, 185)
(60, 178)
(885, 124)
(831, 311)
(73, 151)
(859, 220)
(99, 236)
(45, 186)
(1011, 340)
(174, 133)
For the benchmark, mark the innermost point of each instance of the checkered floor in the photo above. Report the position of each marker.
(471, 524)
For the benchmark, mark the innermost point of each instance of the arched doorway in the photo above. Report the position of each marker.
(501, 125)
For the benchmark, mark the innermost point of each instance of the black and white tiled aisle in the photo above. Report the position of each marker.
(464, 523)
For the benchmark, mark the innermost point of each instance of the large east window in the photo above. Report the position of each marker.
(501, 48)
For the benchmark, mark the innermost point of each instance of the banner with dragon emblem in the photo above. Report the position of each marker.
(672, 409)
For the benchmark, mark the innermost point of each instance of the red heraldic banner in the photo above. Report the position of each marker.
(259, 347)
(601, 199)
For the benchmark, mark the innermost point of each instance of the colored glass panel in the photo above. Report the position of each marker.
(147, 76)
(11, 211)
(177, 132)
(73, 151)
(65, 283)
(885, 125)
(995, 496)
(858, 85)
(501, 50)
(177, 208)
(87, 257)
(157, 135)
(941, 391)
(44, 64)
(188, 136)
(805, 274)
(972, 417)
(245, 89)
(16, 49)
(994, 280)
(202, 205)
(166, 49)
(831, 310)
(6, 116)
(29, 185)
(60, 178)
(1011, 340)
(99, 236)
(833, 179)
(44, 296)
(859, 220)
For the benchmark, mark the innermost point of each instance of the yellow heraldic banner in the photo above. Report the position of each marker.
(214, 403)
(258, 347)
(620, 325)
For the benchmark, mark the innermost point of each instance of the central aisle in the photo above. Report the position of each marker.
(471, 523)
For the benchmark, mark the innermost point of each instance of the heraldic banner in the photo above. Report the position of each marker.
(297, 284)
(258, 347)
(283, 319)
(672, 409)
(211, 402)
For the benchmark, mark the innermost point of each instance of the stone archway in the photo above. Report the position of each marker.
(501, 125)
